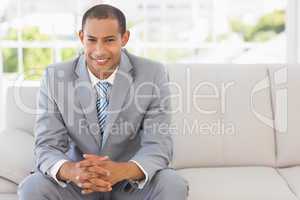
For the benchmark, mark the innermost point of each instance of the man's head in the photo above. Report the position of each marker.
(103, 35)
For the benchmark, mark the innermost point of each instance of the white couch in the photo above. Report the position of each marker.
(236, 132)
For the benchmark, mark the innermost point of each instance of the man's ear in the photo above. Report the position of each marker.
(125, 38)
(80, 34)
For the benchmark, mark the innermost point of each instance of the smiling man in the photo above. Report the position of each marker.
(102, 124)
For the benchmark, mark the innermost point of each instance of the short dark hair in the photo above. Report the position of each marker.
(104, 11)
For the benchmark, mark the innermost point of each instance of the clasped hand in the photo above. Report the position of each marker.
(96, 173)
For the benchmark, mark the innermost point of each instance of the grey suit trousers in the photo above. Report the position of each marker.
(165, 185)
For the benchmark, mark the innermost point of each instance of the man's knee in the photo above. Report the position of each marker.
(170, 184)
(35, 186)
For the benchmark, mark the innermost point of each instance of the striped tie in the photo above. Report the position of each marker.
(101, 104)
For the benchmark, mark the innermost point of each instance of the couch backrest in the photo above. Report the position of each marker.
(20, 107)
(223, 115)
(286, 100)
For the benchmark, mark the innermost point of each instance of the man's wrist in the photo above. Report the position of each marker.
(133, 172)
(64, 172)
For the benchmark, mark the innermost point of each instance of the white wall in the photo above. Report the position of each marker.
(293, 30)
(1, 95)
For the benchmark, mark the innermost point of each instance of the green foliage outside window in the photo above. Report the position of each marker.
(68, 53)
(267, 27)
(10, 60)
(34, 59)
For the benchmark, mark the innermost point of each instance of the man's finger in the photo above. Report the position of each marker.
(95, 185)
(100, 183)
(87, 186)
(96, 189)
(98, 170)
(87, 191)
(101, 189)
(88, 156)
(91, 186)
(90, 162)
(86, 176)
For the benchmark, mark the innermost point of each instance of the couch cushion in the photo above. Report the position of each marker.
(236, 183)
(16, 155)
(286, 97)
(21, 107)
(222, 116)
(8, 196)
(7, 186)
(292, 177)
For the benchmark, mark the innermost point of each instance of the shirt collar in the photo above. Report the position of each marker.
(95, 80)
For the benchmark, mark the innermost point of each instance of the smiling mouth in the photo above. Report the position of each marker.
(101, 61)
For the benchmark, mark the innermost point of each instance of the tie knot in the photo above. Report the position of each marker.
(102, 88)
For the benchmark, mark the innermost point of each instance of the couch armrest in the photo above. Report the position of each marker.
(7, 186)
(16, 154)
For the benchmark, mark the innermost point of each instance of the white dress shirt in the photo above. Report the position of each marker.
(55, 168)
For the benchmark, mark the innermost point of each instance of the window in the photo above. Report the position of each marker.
(36, 35)
(41, 32)
(228, 31)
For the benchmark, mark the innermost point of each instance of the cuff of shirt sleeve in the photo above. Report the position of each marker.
(143, 182)
(54, 170)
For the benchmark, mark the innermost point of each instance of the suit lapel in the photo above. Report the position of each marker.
(120, 89)
(87, 97)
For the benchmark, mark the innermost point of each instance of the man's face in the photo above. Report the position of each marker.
(102, 42)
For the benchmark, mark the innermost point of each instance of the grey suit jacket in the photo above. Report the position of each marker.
(138, 120)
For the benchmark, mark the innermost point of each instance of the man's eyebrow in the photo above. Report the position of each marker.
(106, 37)
(92, 36)
(110, 36)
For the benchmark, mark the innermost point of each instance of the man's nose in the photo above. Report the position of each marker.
(100, 48)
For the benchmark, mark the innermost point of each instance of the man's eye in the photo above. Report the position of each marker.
(110, 40)
(91, 40)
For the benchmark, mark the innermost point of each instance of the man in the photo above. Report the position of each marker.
(102, 125)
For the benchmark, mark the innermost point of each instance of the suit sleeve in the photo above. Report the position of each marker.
(51, 136)
(156, 142)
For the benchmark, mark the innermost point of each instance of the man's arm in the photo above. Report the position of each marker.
(51, 141)
(53, 172)
(141, 181)
(156, 142)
